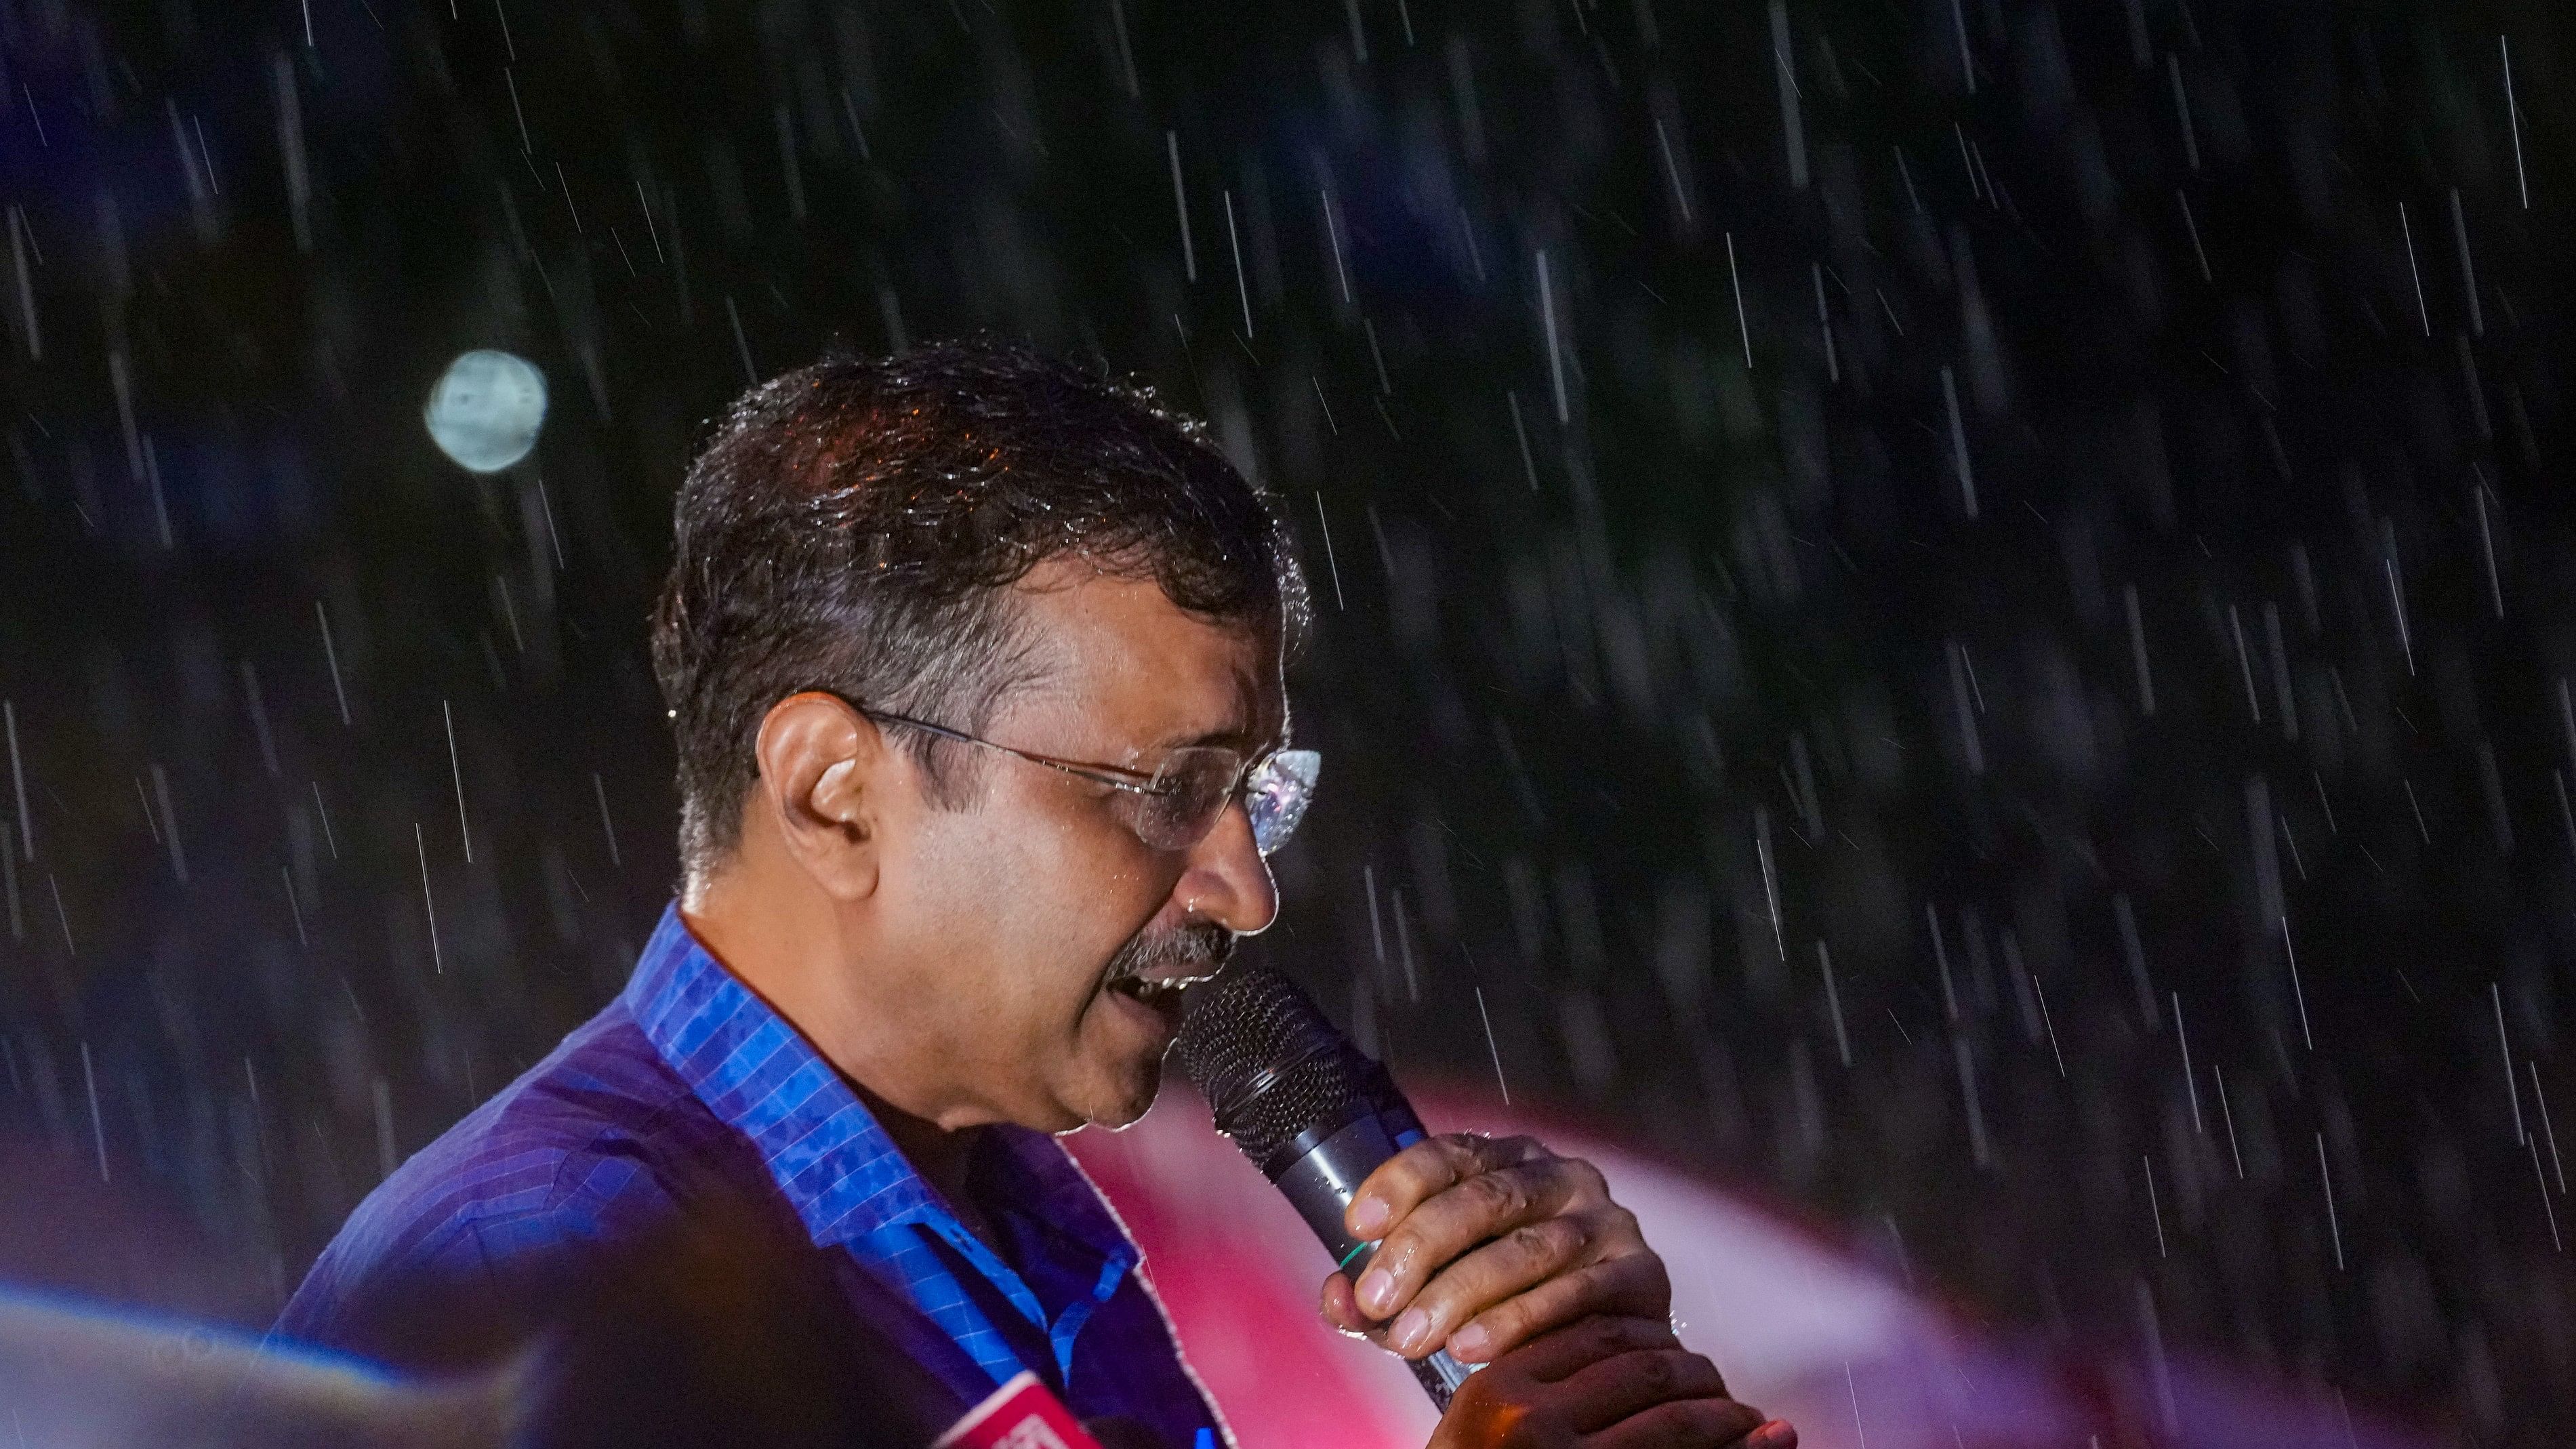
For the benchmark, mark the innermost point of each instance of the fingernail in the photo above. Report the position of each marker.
(1377, 1291)
(1408, 1330)
(1775, 1434)
(1369, 1219)
(1468, 1344)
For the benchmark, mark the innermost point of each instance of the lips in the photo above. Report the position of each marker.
(1153, 970)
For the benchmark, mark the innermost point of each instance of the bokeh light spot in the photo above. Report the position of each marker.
(486, 409)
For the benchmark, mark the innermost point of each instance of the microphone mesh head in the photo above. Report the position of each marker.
(1269, 1063)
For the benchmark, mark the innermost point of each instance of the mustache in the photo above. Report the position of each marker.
(1200, 948)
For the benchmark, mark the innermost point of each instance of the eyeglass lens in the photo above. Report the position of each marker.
(1277, 794)
(1196, 783)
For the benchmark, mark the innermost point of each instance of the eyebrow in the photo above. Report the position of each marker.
(1237, 734)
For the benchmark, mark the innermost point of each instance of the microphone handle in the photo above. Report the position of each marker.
(1321, 1185)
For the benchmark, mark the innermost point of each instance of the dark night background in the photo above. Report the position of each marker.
(1667, 677)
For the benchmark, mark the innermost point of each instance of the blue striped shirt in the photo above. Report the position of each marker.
(687, 1089)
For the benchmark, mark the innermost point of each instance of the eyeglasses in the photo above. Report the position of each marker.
(1175, 805)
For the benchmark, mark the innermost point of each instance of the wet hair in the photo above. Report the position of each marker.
(858, 523)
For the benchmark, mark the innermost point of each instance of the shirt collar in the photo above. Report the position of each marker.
(823, 1147)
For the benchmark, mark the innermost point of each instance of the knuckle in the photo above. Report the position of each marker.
(1629, 1265)
(1496, 1194)
(1397, 1254)
(1535, 1242)
(1651, 1332)
(1555, 1243)
(1405, 1251)
(1657, 1374)
(1574, 1233)
(1413, 1170)
(1448, 1169)
(1422, 1159)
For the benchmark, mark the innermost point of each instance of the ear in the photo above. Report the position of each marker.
(826, 777)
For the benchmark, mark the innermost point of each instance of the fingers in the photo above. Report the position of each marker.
(1632, 1285)
(1624, 1385)
(1432, 1165)
(1341, 1305)
(1509, 1291)
(1520, 1259)
(1688, 1424)
(1554, 1356)
(1457, 1218)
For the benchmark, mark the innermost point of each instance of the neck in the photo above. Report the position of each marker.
(788, 953)
(940, 1155)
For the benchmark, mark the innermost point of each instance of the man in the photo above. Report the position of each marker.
(975, 665)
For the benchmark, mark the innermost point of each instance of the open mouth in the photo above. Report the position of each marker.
(1152, 993)
(1153, 970)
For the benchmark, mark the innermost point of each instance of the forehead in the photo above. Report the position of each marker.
(1135, 672)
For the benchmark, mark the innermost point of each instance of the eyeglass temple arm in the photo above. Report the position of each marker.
(1079, 772)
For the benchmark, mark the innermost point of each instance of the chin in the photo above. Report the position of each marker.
(1121, 1105)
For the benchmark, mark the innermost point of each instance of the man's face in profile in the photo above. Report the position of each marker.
(1054, 928)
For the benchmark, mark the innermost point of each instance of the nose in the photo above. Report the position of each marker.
(1226, 880)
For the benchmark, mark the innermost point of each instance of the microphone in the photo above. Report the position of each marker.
(1310, 1110)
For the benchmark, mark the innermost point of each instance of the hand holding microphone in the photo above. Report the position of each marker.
(1469, 1252)
(1505, 1254)
(1484, 1243)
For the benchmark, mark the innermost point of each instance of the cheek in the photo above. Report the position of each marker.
(1033, 905)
